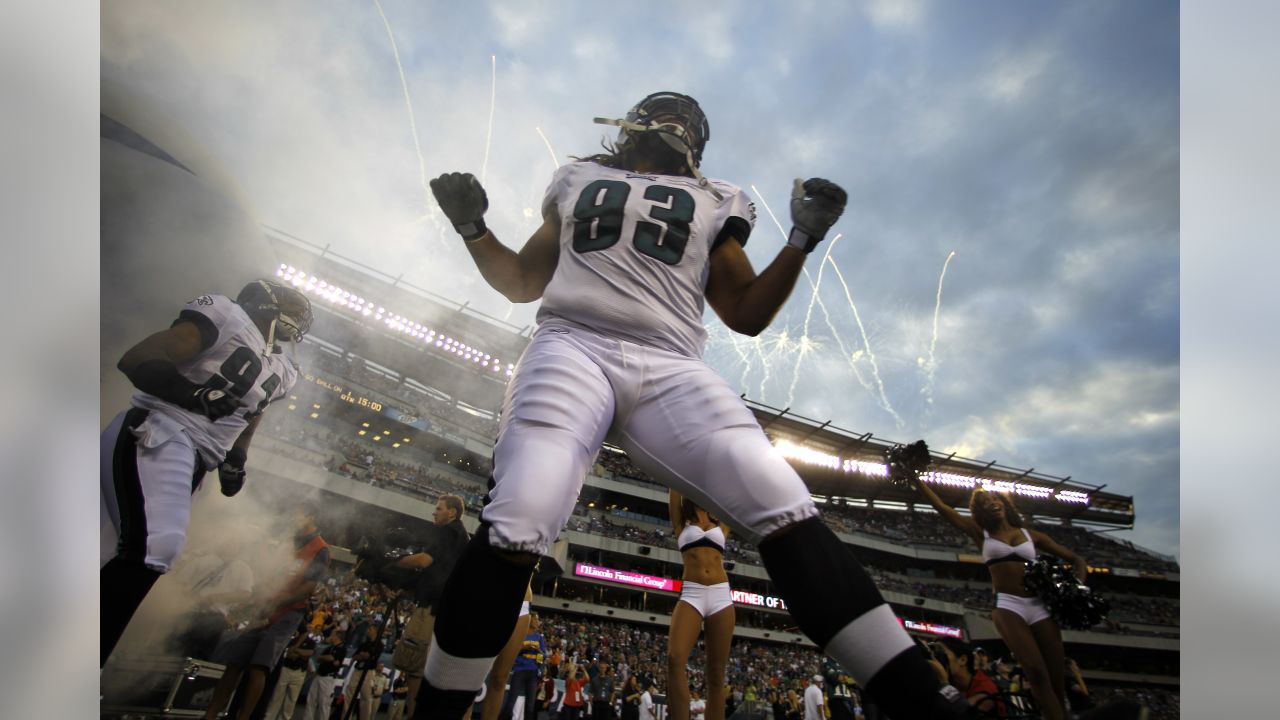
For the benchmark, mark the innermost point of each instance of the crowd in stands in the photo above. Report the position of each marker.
(429, 478)
(916, 528)
(757, 671)
(407, 397)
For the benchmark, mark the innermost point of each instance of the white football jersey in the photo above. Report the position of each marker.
(635, 251)
(236, 360)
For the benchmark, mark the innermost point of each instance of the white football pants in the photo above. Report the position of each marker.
(146, 496)
(677, 419)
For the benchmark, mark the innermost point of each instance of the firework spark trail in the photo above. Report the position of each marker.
(931, 364)
(547, 142)
(736, 340)
(814, 296)
(806, 344)
(813, 286)
(493, 95)
(759, 347)
(413, 124)
(866, 343)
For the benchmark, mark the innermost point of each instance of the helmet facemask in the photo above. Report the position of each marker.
(676, 119)
(287, 310)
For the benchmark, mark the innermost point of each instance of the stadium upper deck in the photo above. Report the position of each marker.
(416, 340)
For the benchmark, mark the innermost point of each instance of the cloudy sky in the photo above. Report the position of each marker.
(1038, 142)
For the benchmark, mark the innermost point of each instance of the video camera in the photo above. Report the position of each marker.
(377, 555)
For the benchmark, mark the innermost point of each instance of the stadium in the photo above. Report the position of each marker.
(396, 404)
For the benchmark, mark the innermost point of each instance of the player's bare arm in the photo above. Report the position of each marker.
(520, 277)
(747, 303)
(152, 367)
(177, 345)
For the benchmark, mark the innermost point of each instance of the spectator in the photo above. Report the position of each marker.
(525, 672)
(399, 690)
(697, 706)
(631, 692)
(293, 673)
(648, 711)
(977, 686)
(603, 693)
(445, 539)
(814, 704)
(328, 669)
(575, 698)
(372, 687)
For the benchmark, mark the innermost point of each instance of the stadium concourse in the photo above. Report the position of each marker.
(397, 405)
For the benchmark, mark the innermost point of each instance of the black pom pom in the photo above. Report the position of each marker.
(1073, 605)
(906, 462)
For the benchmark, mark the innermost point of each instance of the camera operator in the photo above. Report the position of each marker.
(442, 542)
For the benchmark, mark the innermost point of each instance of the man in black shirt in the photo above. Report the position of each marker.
(293, 672)
(367, 665)
(399, 690)
(444, 539)
(328, 668)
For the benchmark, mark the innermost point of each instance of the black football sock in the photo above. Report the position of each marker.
(836, 604)
(124, 585)
(474, 619)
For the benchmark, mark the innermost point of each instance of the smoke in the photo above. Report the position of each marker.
(250, 533)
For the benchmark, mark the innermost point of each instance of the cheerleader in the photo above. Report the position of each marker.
(705, 601)
(1020, 617)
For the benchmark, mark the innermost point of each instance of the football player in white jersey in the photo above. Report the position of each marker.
(202, 387)
(633, 243)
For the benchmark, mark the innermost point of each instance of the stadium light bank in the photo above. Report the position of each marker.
(809, 456)
(395, 322)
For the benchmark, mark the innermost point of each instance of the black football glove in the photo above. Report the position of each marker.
(231, 472)
(213, 404)
(816, 204)
(463, 201)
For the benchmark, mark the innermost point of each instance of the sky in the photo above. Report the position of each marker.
(1030, 149)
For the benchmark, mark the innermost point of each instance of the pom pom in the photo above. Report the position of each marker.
(1073, 605)
(906, 462)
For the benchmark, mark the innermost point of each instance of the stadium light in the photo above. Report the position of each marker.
(362, 307)
(811, 456)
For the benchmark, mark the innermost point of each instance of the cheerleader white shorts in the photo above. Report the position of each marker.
(1030, 609)
(707, 599)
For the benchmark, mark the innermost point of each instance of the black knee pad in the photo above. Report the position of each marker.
(824, 586)
(481, 601)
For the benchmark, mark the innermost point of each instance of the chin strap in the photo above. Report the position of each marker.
(271, 338)
(671, 134)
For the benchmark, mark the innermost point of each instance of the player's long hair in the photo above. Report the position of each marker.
(625, 157)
